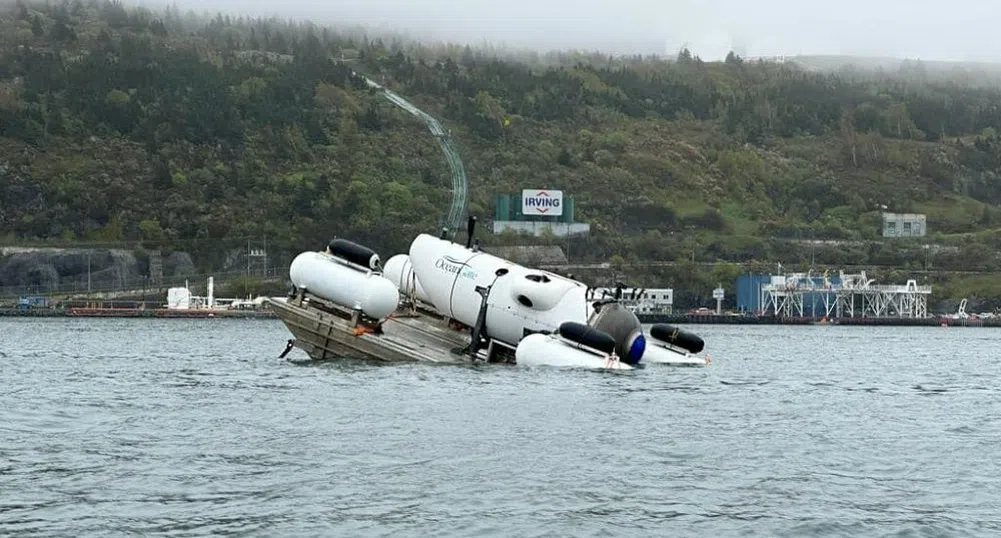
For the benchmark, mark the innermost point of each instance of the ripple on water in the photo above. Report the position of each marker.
(188, 427)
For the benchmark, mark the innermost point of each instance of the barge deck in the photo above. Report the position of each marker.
(324, 331)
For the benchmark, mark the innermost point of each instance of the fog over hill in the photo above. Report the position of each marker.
(930, 30)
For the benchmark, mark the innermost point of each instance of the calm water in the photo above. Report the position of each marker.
(193, 427)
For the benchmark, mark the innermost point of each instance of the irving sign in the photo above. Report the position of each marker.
(541, 202)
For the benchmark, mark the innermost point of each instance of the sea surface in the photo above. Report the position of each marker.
(194, 428)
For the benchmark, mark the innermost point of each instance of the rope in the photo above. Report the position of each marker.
(363, 329)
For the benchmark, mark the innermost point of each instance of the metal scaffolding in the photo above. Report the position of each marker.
(852, 295)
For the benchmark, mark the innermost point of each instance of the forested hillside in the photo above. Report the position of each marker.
(128, 124)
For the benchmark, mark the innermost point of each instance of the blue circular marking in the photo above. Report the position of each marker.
(636, 349)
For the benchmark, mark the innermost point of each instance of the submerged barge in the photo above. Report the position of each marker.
(325, 331)
(448, 303)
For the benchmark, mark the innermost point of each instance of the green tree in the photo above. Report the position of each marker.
(36, 26)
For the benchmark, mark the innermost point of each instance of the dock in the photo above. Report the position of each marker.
(118, 312)
(712, 319)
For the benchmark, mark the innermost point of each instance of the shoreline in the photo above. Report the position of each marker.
(682, 319)
(156, 313)
(675, 319)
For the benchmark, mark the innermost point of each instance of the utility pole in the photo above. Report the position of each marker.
(246, 281)
(568, 243)
(88, 271)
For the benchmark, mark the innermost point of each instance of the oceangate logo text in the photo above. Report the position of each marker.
(448, 265)
(454, 266)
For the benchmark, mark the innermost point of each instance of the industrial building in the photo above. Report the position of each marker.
(751, 300)
(537, 210)
(904, 225)
(639, 300)
(813, 295)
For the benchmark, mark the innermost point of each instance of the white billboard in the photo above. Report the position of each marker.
(541, 202)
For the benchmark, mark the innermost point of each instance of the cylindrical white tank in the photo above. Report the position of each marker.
(211, 294)
(520, 298)
(551, 350)
(327, 278)
(400, 271)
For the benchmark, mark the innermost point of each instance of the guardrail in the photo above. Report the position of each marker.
(875, 288)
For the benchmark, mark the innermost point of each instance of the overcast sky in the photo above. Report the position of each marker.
(954, 30)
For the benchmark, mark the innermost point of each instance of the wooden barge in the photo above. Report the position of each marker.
(324, 331)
